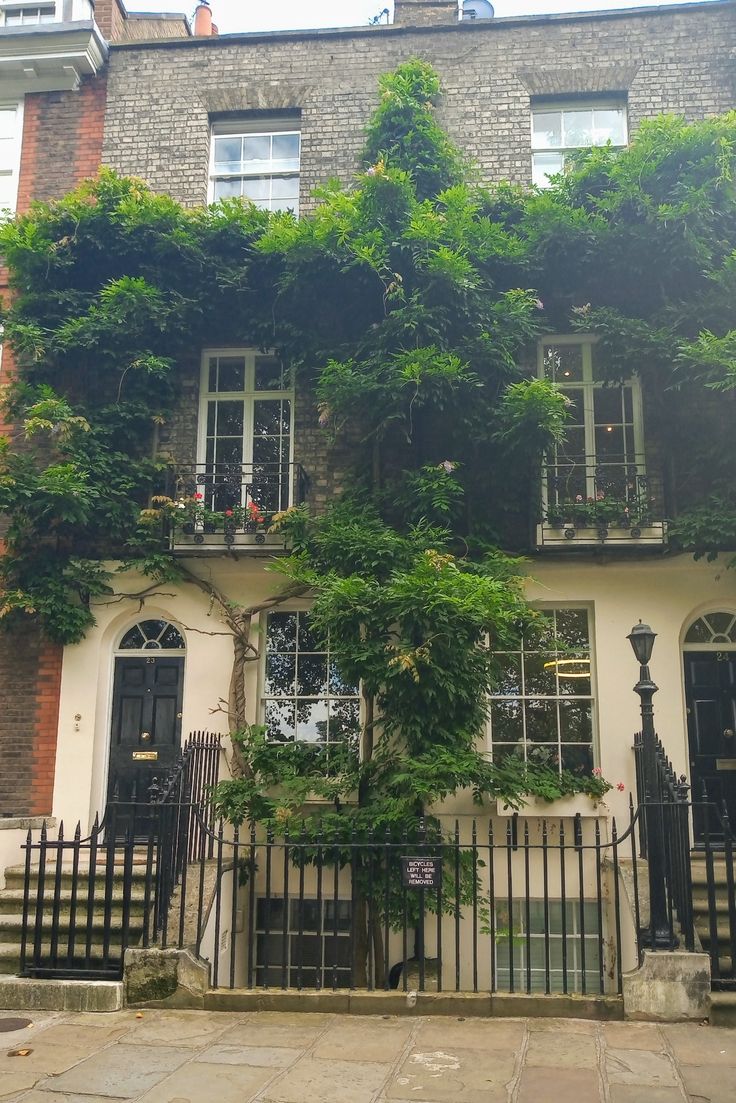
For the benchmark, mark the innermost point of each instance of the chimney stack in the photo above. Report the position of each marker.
(426, 13)
(203, 25)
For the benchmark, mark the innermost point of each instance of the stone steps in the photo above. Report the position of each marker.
(701, 912)
(12, 900)
(11, 903)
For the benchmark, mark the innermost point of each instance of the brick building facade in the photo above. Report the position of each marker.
(60, 144)
(163, 96)
(149, 112)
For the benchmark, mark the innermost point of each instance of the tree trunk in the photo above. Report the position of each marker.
(237, 703)
(360, 940)
(381, 966)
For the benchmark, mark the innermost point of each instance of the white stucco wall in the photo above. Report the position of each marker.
(668, 593)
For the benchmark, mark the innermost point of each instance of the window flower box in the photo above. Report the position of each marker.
(562, 808)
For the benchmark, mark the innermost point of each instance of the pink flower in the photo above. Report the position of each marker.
(597, 772)
(620, 786)
(228, 513)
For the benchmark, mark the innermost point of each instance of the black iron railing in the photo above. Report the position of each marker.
(715, 890)
(534, 910)
(87, 898)
(616, 497)
(670, 804)
(232, 500)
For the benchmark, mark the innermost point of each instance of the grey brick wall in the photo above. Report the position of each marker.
(161, 96)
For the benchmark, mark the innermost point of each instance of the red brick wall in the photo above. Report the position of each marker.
(30, 679)
(62, 140)
(62, 144)
(110, 18)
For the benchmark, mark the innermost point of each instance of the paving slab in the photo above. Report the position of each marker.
(553, 1049)
(623, 1093)
(122, 1071)
(706, 1084)
(451, 1075)
(43, 1060)
(266, 1057)
(314, 1081)
(701, 1045)
(634, 1036)
(71, 1034)
(636, 1066)
(364, 1039)
(569, 1026)
(541, 1085)
(178, 1028)
(203, 1083)
(487, 1034)
(40, 1096)
(274, 1028)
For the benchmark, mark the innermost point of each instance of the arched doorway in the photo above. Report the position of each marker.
(709, 654)
(146, 706)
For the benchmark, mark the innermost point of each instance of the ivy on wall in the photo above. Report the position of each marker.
(409, 304)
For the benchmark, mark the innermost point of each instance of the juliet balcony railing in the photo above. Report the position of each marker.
(219, 506)
(588, 502)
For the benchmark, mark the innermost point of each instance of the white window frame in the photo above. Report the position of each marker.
(28, 6)
(248, 397)
(572, 942)
(589, 385)
(325, 933)
(16, 144)
(549, 607)
(541, 107)
(253, 127)
(263, 697)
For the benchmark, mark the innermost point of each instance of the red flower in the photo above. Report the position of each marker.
(620, 786)
(198, 497)
(228, 513)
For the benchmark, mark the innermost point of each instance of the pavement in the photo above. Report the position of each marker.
(279, 1057)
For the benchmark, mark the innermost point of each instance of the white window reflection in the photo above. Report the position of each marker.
(261, 167)
(558, 130)
(542, 704)
(305, 698)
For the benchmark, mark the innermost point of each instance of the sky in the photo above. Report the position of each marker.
(270, 15)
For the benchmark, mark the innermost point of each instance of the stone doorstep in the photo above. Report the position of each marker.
(30, 994)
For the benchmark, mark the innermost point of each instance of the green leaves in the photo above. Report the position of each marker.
(404, 133)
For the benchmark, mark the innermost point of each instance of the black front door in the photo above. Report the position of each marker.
(146, 723)
(710, 691)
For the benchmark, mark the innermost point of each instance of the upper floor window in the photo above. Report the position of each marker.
(559, 129)
(29, 15)
(245, 430)
(602, 454)
(257, 160)
(11, 136)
